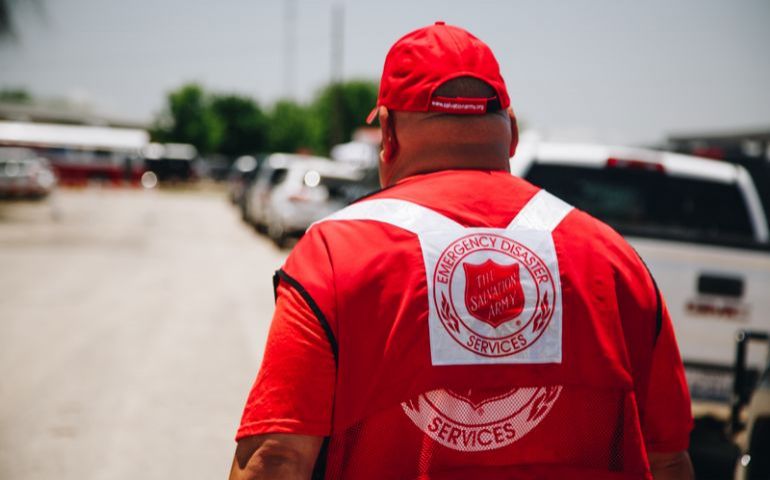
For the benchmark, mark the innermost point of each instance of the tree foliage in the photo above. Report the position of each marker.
(15, 95)
(236, 125)
(189, 118)
(291, 128)
(244, 125)
(341, 108)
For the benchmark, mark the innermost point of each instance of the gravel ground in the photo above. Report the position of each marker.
(131, 327)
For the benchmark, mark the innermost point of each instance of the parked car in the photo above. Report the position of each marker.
(310, 189)
(272, 170)
(699, 226)
(24, 174)
(241, 174)
(697, 223)
(171, 162)
(215, 167)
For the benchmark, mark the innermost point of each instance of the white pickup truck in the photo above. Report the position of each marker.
(699, 226)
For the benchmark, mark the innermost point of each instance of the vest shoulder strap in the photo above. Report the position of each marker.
(543, 212)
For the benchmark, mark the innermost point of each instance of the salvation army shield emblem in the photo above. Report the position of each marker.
(496, 297)
(493, 292)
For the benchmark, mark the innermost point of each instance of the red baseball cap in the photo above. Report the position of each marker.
(421, 61)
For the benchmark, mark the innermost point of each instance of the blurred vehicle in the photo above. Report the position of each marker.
(171, 162)
(241, 176)
(312, 188)
(363, 154)
(369, 183)
(79, 154)
(697, 223)
(215, 167)
(748, 148)
(270, 172)
(24, 174)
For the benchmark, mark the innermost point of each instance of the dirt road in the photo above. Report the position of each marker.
(131, 326)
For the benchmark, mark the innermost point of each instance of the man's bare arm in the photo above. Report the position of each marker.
(671, 466)
(275, 456)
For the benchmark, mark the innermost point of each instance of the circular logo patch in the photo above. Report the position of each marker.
(494, 295)
(461, 422)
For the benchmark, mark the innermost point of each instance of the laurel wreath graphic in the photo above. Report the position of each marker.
(413, 404)
(446, 314)
(543, 402)
(541, 317)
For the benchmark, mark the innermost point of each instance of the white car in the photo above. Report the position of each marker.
(271, 172)
(24, 174)
(310, 189)
(699, 226)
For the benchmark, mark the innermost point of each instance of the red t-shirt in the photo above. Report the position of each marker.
(312, 368)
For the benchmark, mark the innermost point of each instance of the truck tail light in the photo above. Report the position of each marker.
(614, 162)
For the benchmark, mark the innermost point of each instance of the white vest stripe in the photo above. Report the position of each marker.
(462, 263)
(543, 212)
(400, 213)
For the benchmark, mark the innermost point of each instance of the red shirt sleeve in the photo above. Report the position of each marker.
(294, 389)
(668, 418)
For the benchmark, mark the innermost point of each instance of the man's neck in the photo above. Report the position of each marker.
(407, 167)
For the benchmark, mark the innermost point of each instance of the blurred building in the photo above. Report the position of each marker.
(81, 153)
(60, 112)
(82, 145)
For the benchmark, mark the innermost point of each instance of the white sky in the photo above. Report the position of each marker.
(611, 70)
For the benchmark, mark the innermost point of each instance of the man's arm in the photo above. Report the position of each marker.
(663, 398)
(275, 456)
(671, 466)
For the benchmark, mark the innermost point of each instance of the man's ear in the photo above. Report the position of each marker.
(514, 132)
(389, 140)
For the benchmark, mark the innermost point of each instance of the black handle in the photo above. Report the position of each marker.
(723, 285)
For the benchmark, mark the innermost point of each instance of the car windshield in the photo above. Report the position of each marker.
(651, 203)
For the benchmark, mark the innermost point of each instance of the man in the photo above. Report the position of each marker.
(461, 323)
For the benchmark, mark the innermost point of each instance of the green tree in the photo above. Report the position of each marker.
(15, 95)
(292, 128)
(188, 118)
(341, 108)
(235, 124)
(244, 125)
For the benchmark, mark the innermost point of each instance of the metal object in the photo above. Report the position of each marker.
(742, 385)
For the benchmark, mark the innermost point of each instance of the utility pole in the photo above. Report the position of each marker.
(336, 133)
(338, 41)
(289, 47)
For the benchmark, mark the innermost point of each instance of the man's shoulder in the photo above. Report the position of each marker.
(583, 231)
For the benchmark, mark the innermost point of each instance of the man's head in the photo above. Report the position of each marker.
(442, 104)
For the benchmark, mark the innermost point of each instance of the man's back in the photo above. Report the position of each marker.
(460, 336)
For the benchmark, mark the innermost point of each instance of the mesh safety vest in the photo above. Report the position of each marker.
(467, 352)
